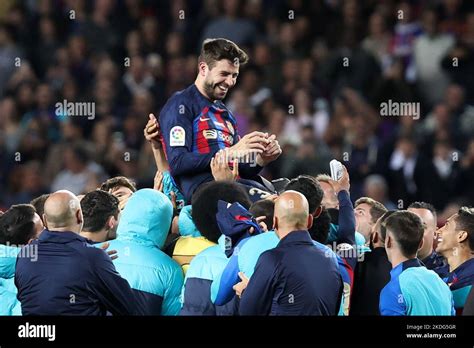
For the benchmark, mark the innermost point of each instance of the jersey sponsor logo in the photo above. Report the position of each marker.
(177, 136)
(212, 134)
(226, 137)
(209, 134)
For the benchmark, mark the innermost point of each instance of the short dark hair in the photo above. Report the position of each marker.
(118, 181)
(407, 229)
(97, 206)
(310, 188)
(16, 225)
(214, 50)
(383, 228)
(38, 203)
(423, 205)
(264, 207)
(204, 205)
(465, 222)
(377, 209)
(321, 225)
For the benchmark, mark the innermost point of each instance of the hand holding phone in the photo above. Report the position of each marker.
(336, 170)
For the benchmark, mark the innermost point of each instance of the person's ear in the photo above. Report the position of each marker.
(421, 244)
(275, 223)
(462, 236)
(318, 212)
(110, 222)
(203, 68)
(78, 217)
(388, 241)
(374, 238)
(310, 221)
(45, 223)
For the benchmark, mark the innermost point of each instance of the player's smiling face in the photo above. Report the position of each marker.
(220, 79)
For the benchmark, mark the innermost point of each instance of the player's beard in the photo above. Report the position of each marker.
(212, 91)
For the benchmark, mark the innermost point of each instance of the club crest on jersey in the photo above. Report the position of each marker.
(177, 136)
(230, 127)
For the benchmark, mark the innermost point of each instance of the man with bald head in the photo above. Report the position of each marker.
(62, 212)
(69, 276)
(294, 278)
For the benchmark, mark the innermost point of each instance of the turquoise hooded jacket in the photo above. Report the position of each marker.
(9, 304)
(141, 234)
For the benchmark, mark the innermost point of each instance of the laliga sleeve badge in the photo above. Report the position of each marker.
(177, 136)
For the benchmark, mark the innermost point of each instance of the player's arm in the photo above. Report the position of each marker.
(346, 220)
(221, 288)
(178, 135)
(153, 134)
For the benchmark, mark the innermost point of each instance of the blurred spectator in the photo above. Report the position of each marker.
(429, 49)
(446, 172)
(97, 29)
(410, 173)
(312, 156)
(231, 25)
(375, 187)
(466, 176)
(406, 31)
(459, 60)
(378, 41)
(77, 172)
(8, 52)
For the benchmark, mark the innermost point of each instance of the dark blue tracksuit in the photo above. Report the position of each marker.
(295, 278)
(194, 129)
(65, 275)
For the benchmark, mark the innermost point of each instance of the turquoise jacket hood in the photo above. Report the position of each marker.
(146, 219)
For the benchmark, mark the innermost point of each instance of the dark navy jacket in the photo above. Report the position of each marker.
(295, 278)
(370, 277)
(437, 263)
(194, 129)
(66, 275)
(460, 282)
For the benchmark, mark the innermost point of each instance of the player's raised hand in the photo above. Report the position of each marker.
(255, 142)
(272, 151)
(158, 181)
(152, 132)
(343, 183)
(220, 167)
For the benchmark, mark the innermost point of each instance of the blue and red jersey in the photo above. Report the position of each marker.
(460, 282)
(194, 129)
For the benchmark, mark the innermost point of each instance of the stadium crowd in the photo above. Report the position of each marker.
(224, 209)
